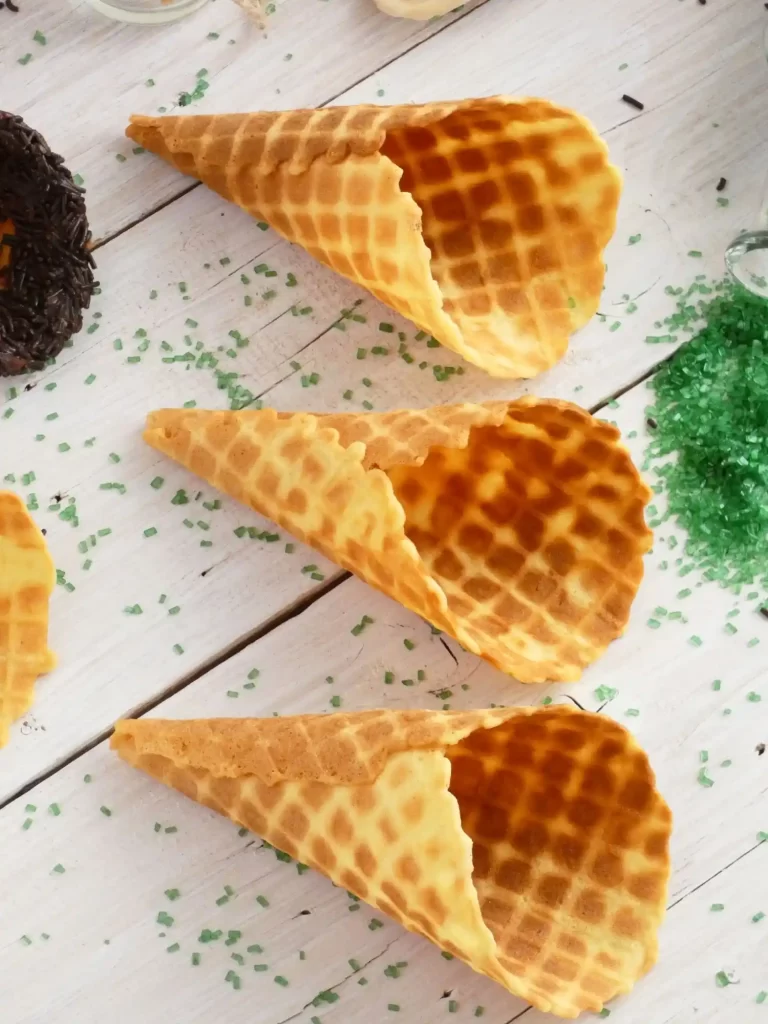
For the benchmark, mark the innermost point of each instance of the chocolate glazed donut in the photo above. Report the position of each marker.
(46, 268)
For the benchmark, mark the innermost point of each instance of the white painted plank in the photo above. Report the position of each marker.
(80, 88)
(119, 867)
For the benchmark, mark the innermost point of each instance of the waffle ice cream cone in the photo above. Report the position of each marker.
(531, 843)
(483, 221)
(517, 527)
(27, 577)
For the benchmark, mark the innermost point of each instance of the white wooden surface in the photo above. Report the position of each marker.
(694, 66)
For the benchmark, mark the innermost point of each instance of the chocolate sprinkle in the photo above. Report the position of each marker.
(633, 102)
(50, 277)
(721, 184)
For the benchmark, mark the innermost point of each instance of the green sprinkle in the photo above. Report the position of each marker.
(722, 979)
(164, 919)
(358, 629)
(709, 404)
(335, 702)
(758, 917)
(409, 645)
(150, 531)
(59, 869)
(55, 810)
(606, 693)
(262, 901)
(106, 811)
(716, 907)
(703, 779)
(172, 894)
(761, 997)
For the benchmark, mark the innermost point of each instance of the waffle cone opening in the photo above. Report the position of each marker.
(503, 208)
(534, 532)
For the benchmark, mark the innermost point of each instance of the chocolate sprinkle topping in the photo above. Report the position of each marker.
(633, 102)
(50, 277)
(721, 184)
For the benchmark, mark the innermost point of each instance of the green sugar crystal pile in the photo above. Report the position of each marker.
(710, 414)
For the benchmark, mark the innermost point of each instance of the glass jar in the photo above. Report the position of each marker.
(746, 258)
(147, 12)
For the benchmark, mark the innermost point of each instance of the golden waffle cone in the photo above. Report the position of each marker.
(483, 221)
(531, 843)
(27, 578)
(517, 527)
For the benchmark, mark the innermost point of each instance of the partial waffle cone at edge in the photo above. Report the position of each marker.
(517, 527)
(531, 843)
(26, 581)
(483, 221)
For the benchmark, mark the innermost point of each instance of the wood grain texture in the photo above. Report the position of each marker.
(695, 67)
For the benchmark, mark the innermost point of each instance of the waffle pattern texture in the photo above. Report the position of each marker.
(517, 527)
(483, 221)
(27, 578)
(529, 842)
